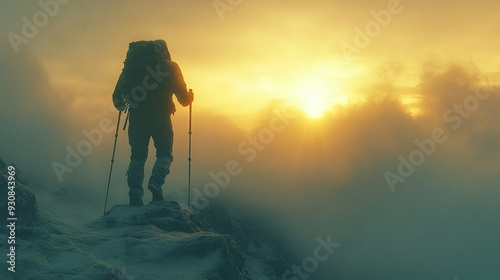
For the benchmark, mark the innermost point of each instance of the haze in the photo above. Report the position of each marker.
(323, 169)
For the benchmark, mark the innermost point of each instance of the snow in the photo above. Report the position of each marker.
(161, 240)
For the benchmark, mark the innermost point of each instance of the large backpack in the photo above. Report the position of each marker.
(141, 56)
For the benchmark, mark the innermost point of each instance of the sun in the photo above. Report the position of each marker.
(314, 107)
(319, 91)
(313, 99)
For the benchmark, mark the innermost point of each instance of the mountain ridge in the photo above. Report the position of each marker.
(160, 240)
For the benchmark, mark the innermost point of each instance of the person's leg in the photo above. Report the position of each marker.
(163, 138)
(139, 141)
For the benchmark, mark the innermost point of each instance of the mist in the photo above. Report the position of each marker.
(319, 178)
(307, 178)
(337, 176)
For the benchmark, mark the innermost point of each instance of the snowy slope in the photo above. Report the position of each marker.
(156, 241)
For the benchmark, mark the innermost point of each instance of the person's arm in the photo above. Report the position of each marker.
(118, 100)
(179, 86)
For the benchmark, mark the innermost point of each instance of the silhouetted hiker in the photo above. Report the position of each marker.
(147, 82)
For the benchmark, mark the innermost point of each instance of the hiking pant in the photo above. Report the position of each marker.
(140, 132)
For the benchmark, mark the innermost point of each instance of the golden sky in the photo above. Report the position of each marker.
(238, 57)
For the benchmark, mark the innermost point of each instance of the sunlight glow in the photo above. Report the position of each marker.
(314, 107)
(412, 104)
(315, 97)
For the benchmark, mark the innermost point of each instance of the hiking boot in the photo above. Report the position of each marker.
(135, 196)
(156, 191)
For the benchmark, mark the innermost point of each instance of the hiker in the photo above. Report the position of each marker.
(147, 82)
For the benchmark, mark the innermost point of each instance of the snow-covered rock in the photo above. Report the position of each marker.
(26, 207)
(161, 240)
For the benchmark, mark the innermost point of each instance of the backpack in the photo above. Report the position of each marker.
(141, 56)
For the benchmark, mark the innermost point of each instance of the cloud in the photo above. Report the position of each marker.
(318, 179)
(32, 121)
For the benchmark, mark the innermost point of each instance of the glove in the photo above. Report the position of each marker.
(119, 104)
(191, 97)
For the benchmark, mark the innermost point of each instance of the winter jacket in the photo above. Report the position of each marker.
(148, 87)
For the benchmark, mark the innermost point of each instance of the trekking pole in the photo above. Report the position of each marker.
(189, 158)
(112, 160)
(127, 111)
